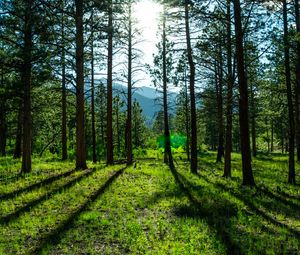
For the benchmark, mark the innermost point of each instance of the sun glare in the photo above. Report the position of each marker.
(147, 13)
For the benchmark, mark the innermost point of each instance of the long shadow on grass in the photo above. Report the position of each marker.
(35, 185)
(9, 217)
(247, 201)
(285, 202)
(216, 215)
(54, 236)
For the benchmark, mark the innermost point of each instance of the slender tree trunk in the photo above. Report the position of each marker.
(187, 118)
(272, 135)
(102, 115)
(118, 127)
(292, 177)
(220, 107)
(80, 125)
(194, 159)
(18, 143)
(3, 130)
(268, 138)
(93, 93)
(248, 178)
(168, 151)
(129, 92)
(253, 121)
(228, 135)
(297, 90)
(26, 80)
(109, 130)
(64, 95)
(3, 125)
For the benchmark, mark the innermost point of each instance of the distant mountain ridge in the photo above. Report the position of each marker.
(147, 97)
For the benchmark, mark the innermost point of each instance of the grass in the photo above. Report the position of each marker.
(143, 209)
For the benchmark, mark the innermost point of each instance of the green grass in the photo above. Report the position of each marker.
(145, 210)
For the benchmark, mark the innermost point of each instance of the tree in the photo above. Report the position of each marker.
(80, 124)
(26, 80)
(168, 152)
(129, 89)
(109, 123)
(292, 177)
(63, 89)
(229, 99)
(194, 157)
(248, 178)
(297, 90)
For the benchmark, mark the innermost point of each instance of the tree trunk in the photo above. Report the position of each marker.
(228, 135)
(18, 143)
(129, 92)
(187, 118)
(297, 90)
(194, 159)
(26, 80)
(253, 122)
(219, 85)
(292, 177)
(93, 93)
(248, 178)
(3, 129)
(168, 152)
(109, 130)
(272, 135)
(80, 125)
(118, 127)
(64, 95)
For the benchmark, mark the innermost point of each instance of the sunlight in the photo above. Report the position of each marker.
(147, 13)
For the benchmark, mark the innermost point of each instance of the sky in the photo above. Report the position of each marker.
(147, 14)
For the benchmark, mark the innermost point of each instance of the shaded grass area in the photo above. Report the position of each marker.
(43, 172)
(139, 215)
(149, 209)
(27, 233)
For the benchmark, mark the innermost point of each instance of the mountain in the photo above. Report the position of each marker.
(147, 97)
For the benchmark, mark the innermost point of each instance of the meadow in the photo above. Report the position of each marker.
(148, 209)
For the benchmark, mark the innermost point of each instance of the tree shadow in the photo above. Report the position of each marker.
(247, 201)
(6, 219)
(48, 180)
(216, 214)
(54, 236)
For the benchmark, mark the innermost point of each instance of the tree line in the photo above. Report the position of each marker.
(236, 64)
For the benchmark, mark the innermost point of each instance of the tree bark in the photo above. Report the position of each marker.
(26, 80)
(253, 122)
(219, 85)
(272, 135)
(3, 124)
(64, 94)
(248, 178)
(291, 177)
(194, 159)
(168, 152)
(129, 92)
(93, 93)
(3, 130)
(297, 90)
(109, 130)
(228, 135)
(187, 118)
(18, 143)
(80, 125)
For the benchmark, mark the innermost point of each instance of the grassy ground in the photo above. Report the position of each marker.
(145, 209)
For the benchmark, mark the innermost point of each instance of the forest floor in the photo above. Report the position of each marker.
(143, 209)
